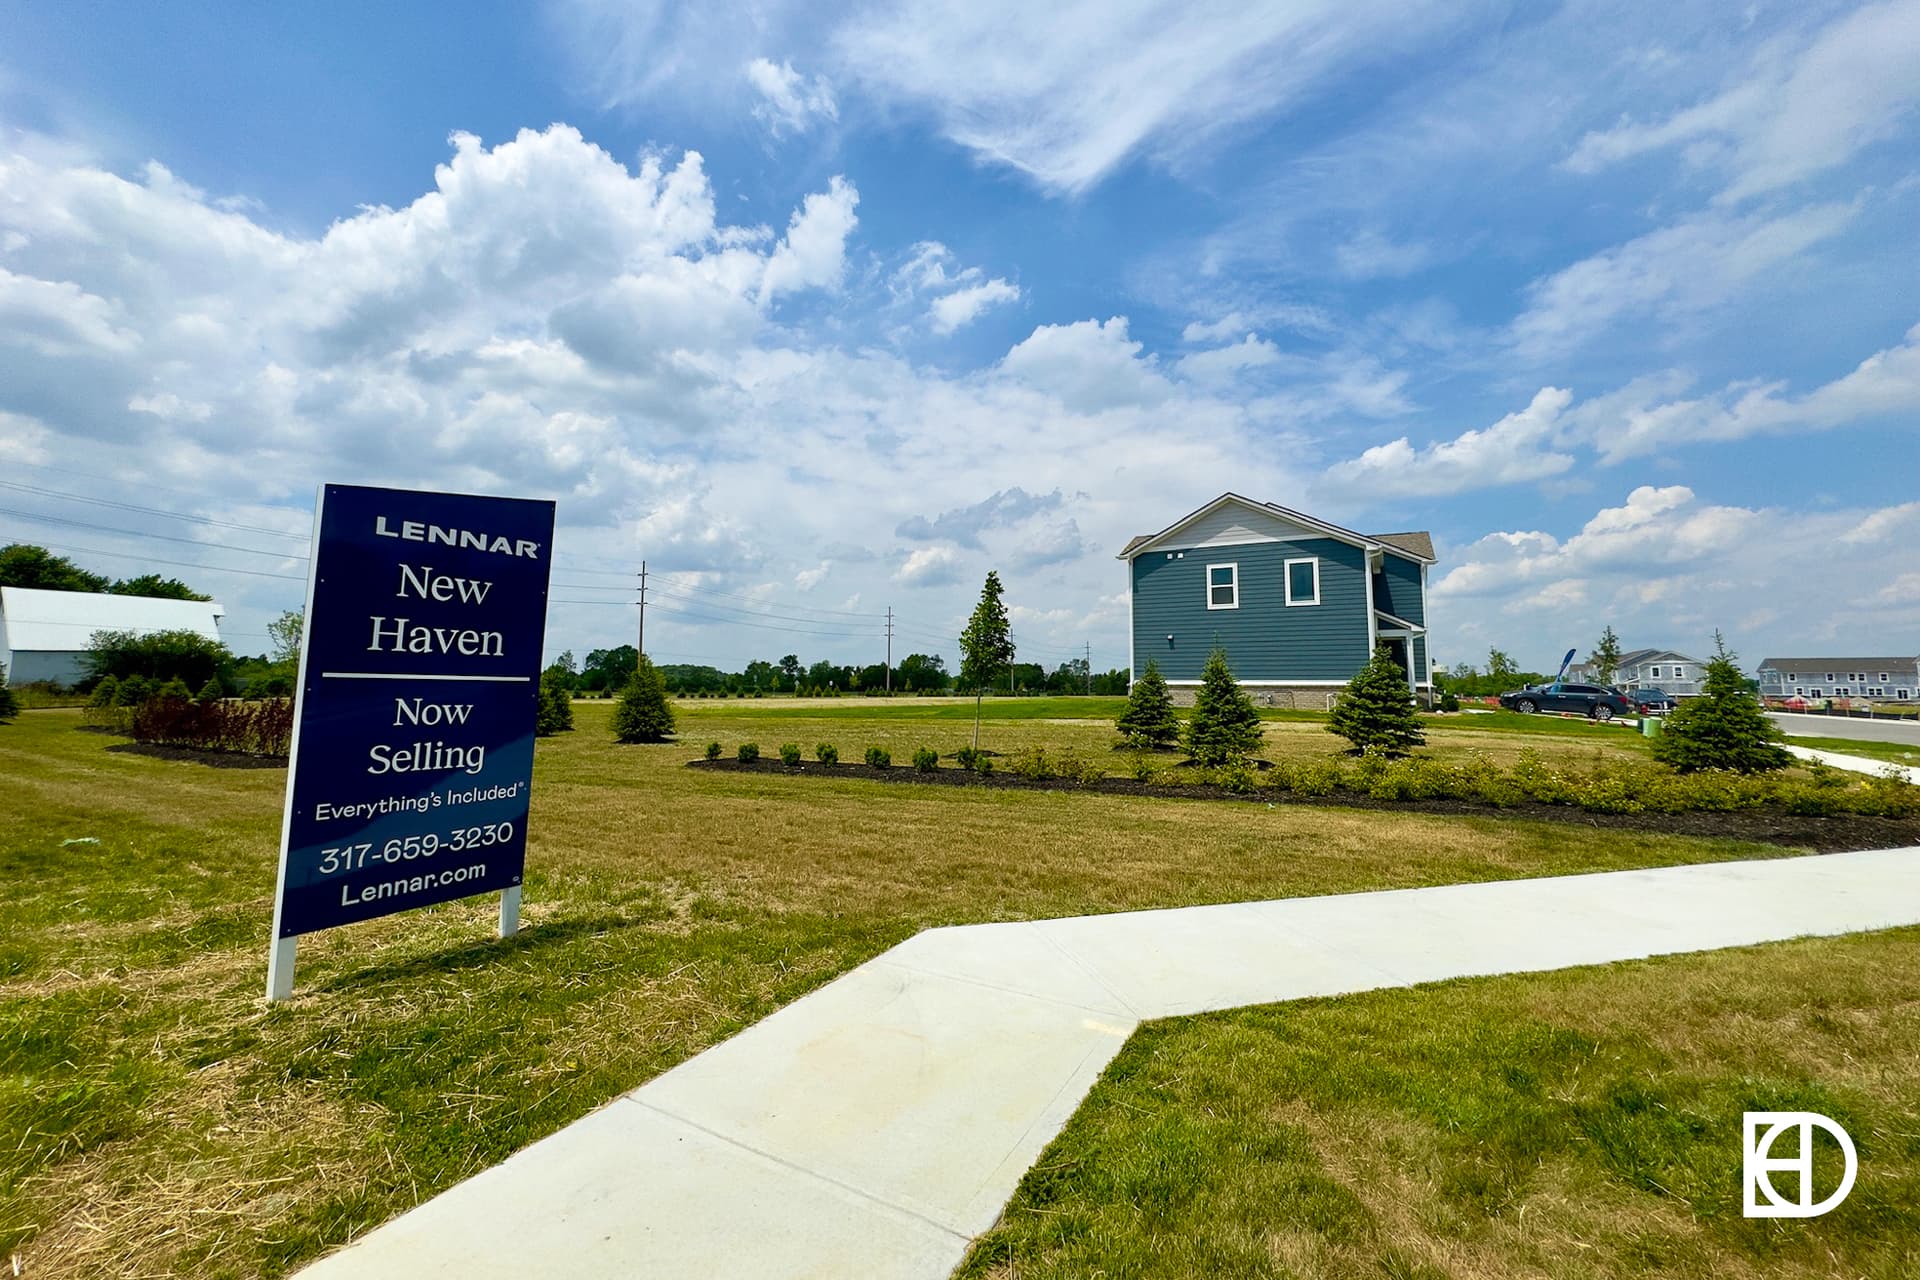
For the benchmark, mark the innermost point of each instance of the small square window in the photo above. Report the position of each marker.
(1223, 586)
(1902, 694)
(1883, 677)
(1653, 672)
(1303, 581)
(1842, 692)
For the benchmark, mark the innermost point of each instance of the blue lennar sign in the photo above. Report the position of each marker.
(412, 756)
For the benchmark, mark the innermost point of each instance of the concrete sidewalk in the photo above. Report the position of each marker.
(1906, 731)
(874, 1127)
(1855, 764)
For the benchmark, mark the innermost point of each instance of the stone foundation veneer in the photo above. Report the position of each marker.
(1290, 697)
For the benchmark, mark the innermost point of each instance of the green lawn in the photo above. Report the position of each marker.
(157, 1118)
(1576, 1124)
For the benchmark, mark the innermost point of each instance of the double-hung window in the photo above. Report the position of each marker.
(1223, 586)
(1303, 581)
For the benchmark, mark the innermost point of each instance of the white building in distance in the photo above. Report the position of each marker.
(44, 634)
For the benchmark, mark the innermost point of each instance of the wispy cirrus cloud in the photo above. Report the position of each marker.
(1693, 265)
(1790, 116)
(1061, 94)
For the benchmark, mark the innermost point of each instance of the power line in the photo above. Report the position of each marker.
(151, 511)
(802, 608)
(757, 613)
(178, 564)
(764, 626)
(139, 533)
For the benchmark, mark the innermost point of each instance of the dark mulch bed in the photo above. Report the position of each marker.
(212, 759)
(1766, 825)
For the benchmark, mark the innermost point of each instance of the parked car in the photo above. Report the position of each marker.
(1583, 699)
(1649, 701)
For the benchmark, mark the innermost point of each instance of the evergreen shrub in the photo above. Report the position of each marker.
(1224, 726)
(1376, 710)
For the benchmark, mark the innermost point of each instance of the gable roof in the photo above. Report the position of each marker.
(1634, 657)
(1418, 546)
(64, 621)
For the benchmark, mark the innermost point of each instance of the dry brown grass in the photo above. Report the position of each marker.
(666, 908)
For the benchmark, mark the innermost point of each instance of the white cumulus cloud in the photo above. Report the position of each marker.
(1517, 448)
(790, 103)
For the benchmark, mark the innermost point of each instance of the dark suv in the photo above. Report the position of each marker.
(1648, 701)
(1584, 699)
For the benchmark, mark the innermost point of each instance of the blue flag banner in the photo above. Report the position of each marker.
(1565, 662)
(412, 759)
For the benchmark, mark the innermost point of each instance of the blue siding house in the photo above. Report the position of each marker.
(1297, 603)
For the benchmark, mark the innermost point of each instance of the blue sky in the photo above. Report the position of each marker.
(825, 314)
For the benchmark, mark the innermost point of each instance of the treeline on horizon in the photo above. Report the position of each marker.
(605, 670)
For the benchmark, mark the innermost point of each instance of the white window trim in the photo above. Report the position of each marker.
(1902, 694)
(1653, 673)
(1235, 584)
(1286, 580)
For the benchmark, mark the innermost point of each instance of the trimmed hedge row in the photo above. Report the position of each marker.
(1605, 788)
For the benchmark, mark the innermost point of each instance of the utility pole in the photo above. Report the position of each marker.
(889, 650)
(1089, 672)
(641, 639)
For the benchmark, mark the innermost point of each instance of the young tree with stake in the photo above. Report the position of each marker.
(986, 648)
(1605, 658)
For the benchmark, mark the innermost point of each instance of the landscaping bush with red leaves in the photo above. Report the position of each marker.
(242, 728)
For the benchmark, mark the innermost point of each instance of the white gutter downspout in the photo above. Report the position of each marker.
(1373, 619)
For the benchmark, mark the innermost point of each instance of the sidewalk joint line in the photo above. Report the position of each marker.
(984, 985)
(1046, 935)
(784, 1163)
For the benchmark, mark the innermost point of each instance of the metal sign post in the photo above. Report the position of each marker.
(412, 759)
